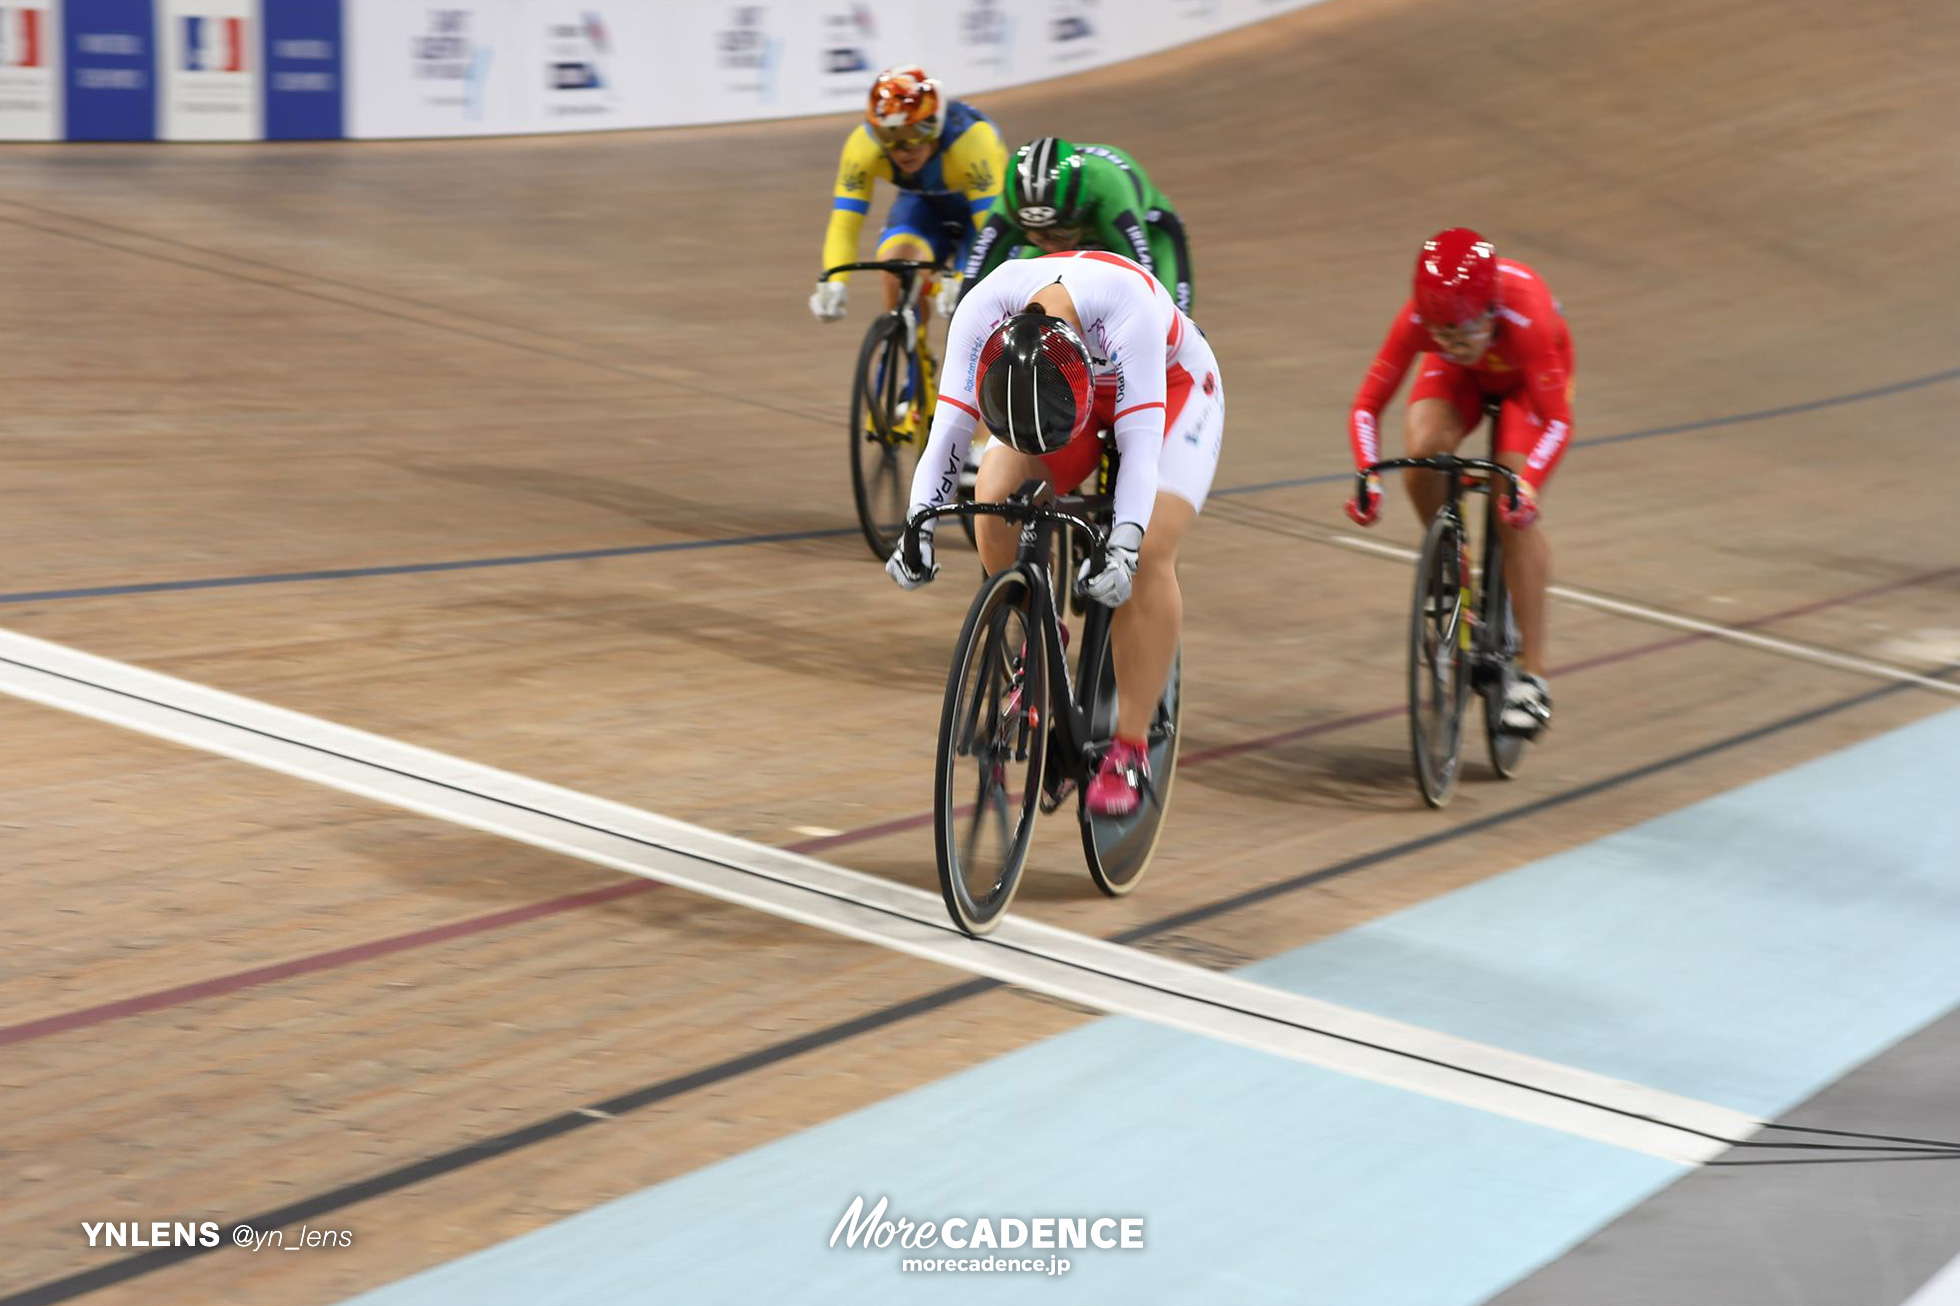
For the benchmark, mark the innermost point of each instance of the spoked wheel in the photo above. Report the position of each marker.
(1439, 644)
(993, 739)
(1498, 638)
(882, 456)
(1118, 848)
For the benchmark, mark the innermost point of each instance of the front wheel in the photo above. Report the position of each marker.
(1439, 646)
(885, 441)
(993, 741)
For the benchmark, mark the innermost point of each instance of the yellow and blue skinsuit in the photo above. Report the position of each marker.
(943, 203)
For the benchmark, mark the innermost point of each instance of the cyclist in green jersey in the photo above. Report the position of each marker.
(1060, 197)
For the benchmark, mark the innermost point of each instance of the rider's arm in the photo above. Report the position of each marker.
(1139, 341)
(976, 165)
(858, 169)
(1384, 378)
(1165, 219)
(1551, 397)
(1123, 233)
(937, 477)
(999, 238)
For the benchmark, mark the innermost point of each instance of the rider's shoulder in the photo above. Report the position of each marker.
(861, 145)
(960, 118)
(1522, 295)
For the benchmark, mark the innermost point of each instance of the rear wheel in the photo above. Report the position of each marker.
(1439, 644)
(1119, 848)
(882, 456)
(1497, 636)
(993, 739)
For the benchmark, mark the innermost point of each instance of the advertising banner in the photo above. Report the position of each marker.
(210, 70)
(304, 70)
(310, 69)
(109, 89)
(597, 64)
(418, 68)
(30, 71)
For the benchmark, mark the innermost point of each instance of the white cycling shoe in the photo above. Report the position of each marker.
(1527, 706)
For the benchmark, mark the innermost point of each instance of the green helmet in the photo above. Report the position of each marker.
(1044, 184)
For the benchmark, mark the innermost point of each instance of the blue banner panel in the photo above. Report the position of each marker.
(305, 76)
(111, 49)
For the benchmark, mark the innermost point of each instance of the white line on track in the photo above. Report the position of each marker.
(1661, 617)
(1943, 1289)
(1106, 976)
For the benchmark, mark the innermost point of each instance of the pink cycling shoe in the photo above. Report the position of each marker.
(1118, 786)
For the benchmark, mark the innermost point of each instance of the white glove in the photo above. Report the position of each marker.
(1111, 586)
(947, 297)
(907, 578)
(827, 301)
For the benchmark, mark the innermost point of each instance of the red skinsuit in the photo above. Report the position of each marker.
(1528, 364)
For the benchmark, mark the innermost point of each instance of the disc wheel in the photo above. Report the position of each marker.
(1499, 636)
(882, 455)
(1118, 849)
(1439, 640)
(993, 739)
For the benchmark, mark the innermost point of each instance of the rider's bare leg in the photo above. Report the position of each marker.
(1527, 573)
(904, 245)
(1144, 634)
(1002, 470)
(1433, 428)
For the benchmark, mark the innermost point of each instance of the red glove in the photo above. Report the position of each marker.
(1527, 509)
(1365, 508)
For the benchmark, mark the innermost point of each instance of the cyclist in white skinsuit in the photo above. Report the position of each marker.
(1054, 352)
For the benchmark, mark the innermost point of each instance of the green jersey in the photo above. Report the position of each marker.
(1121, 211)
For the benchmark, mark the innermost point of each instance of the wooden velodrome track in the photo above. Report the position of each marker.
(228, 992)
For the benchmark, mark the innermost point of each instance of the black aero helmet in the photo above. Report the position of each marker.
(1035, 388)
(1044, 184)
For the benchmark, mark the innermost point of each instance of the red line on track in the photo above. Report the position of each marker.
(359, 952)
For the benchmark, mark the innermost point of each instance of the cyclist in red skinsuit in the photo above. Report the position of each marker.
(1488, 329)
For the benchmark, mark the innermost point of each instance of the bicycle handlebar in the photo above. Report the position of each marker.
(1448, 463)
(1014, 509)
(893, 265)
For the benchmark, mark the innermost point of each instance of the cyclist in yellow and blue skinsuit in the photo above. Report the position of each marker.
(945, 158)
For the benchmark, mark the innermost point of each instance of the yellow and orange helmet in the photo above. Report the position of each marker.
(905, 107)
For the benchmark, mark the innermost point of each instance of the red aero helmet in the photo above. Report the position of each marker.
(1456, 277)
(905, 105)
(1035, 390)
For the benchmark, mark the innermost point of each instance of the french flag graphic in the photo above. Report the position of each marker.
(21, 38)
(214, 45)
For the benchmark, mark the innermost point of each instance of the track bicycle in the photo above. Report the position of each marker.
(893, 393)
(1018, 734)
(1462, 636)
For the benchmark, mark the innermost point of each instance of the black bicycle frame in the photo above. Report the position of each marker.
(1069, 737)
